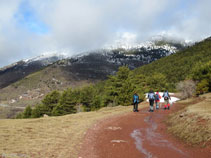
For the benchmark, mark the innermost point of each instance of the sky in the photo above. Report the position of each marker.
(29, 28)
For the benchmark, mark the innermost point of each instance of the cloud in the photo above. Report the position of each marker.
(32, 27)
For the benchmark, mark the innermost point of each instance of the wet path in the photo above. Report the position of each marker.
(146, 138)
(136, 135)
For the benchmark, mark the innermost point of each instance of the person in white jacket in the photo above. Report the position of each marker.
(166, 97)
(151, 97)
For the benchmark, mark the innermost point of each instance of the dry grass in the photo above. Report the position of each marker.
(50, 137)
(193, 123)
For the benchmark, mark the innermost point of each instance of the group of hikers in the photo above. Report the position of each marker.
(153, 98)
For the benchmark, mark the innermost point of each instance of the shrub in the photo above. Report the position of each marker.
(202, 87)
(39, 111)
(27, 112)
(202, 74)
(19, 115)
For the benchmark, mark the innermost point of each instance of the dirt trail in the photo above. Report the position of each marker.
(137, 135)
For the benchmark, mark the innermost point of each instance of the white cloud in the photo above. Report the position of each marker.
(80, 25)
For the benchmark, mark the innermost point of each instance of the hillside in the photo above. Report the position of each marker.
(144, 53)
(28, 81)
(16, 71)
(194, 116)
(193, 64)
(31, 89)
(177, 67)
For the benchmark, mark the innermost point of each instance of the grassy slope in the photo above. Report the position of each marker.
(178, 66)
(52, 136)
(36, 85)
(193, 123)
(43, 80)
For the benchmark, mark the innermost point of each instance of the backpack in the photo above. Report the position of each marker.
(157, 97)
(151, 96)
(135, 98)
(166, 95)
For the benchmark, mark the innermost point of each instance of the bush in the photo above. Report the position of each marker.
(19, 115)
(27, 112)
(202, 74)
(202, 87)
(39, 111)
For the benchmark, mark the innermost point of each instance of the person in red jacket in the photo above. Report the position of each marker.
(157, 100)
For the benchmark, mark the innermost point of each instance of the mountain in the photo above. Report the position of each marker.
(180, 65)
(131, 55)
(14, 72)
(28, 81)
(191, 68)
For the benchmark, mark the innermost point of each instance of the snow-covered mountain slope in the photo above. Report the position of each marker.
(109, 59)
(42, 60)
(20, 69)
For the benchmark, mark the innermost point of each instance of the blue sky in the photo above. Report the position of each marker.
(27, 19)
(30, 28)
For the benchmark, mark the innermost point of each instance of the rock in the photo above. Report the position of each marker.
(118, 141)
(114, 128)
(181, 115)
(45, 115)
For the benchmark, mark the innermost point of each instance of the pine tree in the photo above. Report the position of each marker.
(119, 88)
(50, 101)
(86, 97)
(67, 103)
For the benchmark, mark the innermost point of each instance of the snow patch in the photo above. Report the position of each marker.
(172, 100)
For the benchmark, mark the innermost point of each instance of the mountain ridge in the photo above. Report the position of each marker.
(148, 51)
(82, 69)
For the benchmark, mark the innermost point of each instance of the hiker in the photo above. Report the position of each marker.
(151, 97)
(166, 97)
(157, 100)
(135, 102)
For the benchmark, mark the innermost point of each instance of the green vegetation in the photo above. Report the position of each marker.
(202, 74)
(193, 63)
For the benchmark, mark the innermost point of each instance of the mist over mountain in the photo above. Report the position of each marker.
(133, 55)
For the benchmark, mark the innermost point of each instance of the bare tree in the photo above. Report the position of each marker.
(187, 88)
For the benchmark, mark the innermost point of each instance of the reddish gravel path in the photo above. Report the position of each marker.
(137, 135)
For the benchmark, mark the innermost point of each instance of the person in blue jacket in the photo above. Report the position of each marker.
(135, 102)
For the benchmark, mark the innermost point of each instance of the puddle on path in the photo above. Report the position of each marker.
(150, 136)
